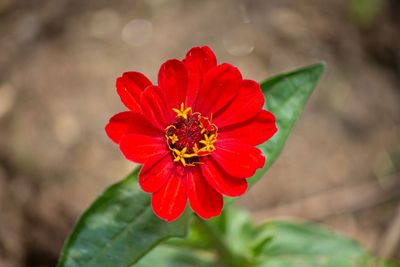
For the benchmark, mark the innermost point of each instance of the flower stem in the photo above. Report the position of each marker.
(225, 255)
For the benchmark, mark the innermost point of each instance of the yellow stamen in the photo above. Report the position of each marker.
(208, 143)
(182, 155)
(173, 138)
(182, 112)
(179, 155)
(196, 149)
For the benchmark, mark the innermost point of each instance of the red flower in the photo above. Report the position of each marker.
(195, 132)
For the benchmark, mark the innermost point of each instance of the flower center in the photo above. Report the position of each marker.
(191, 136)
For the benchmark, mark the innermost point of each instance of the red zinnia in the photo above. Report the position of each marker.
(195, 132)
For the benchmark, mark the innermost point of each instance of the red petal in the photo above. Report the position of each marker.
(129, 87)
(140, 148)
(129, 122)
(254, 132)
(130, 100)
(135, 78)
(154, 107)
(197, 61)
(221, 181)
(220, 85)
(247, 103)
(173, 79)
(119, 125)
(156, 172)
(169, 202)
(204, 200)
(240, 160)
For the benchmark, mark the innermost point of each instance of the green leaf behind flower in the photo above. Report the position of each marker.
(119, 227)
(285, 96)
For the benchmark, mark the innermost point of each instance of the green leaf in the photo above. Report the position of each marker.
(166, 255)
(298, 244)
(118, 229)
(286, 96)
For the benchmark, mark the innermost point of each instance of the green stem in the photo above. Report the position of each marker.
(226, 256)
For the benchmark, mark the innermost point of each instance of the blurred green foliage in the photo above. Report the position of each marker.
(272, 244)
(364, 12)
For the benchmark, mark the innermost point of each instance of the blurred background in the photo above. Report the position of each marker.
(58, 64)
